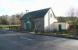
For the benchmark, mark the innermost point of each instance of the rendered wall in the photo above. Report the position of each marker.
(49, 19)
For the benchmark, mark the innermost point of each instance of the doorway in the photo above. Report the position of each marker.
(60, 27)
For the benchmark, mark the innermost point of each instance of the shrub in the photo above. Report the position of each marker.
(1, 28)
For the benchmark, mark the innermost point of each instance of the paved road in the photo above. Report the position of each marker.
(24, 41)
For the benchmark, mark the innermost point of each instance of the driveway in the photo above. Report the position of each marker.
(26, 41)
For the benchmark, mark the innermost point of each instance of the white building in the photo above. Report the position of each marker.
(43, 20)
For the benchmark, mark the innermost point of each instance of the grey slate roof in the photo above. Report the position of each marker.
(35, 14)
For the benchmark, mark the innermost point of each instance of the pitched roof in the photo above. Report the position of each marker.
(35, 14)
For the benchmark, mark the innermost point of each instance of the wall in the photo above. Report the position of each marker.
(49, 19)
(39, 24)
(64, 26)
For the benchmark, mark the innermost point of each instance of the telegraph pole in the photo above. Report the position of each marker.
(27, 11)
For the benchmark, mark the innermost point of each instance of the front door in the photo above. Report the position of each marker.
(60, 27)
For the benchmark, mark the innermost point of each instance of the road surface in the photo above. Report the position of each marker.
(25, 41)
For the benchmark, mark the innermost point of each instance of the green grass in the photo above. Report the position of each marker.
(9, 27)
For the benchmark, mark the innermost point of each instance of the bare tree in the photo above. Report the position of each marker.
(3, 20)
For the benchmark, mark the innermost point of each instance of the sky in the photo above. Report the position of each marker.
(60, 7)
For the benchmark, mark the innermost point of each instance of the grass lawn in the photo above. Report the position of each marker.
(9, 27)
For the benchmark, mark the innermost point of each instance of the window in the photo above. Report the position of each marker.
(50, 15)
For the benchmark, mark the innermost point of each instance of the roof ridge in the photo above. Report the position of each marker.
(38, 10)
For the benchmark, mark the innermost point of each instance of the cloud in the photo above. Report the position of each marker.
(59, 7)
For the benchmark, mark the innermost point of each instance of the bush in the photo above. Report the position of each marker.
(16, 28)
(1, 28)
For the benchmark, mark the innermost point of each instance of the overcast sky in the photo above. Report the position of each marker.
(60, 7)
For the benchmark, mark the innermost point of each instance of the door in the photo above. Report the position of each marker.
(60, 27)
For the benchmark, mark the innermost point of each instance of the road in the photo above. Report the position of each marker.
(25, 41)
